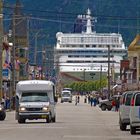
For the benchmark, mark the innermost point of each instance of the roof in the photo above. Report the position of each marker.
(30, 82)
(135, 44)
(34, 85)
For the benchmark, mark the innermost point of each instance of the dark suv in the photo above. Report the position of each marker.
(107, 103)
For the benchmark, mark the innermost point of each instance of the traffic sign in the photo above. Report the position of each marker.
(5, 72)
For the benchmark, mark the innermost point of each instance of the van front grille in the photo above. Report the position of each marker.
(33, 109)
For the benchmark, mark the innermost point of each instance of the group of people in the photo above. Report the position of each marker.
(92, 100)
(6, 102)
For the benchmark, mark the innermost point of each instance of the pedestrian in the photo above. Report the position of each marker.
(76, 100)
(113, 105)
(88, 98)
(95, 101)
(3, 101)
(85, 99)
(117, 104)
(91, 100)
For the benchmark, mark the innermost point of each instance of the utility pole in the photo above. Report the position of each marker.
(44, 63)
(35, 52)
(101, 79)
(108, 71)
(1, 44)
(13, 77)
(28, 28)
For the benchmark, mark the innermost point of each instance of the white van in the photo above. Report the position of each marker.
(135, 112)
(35, 99)
(125, 102)
(66, 96)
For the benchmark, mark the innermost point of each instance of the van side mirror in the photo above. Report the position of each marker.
(56, 99)
(17, 102)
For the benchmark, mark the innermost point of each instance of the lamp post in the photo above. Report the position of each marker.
(108, 71)
(13, 76)
(1, 39)
(84, 78)
(101, 79)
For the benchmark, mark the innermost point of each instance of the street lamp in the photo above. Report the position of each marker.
(108, 71)
(101, 79)
(1, 39)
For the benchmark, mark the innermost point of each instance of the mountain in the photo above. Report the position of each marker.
(51, 16)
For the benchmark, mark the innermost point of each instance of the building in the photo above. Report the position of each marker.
(131, 74)
(83, 56)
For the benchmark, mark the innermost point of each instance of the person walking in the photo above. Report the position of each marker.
(76, 100)
(91, 100)
(95, 100)
(88, 98)
(117, 104)
(85, 99)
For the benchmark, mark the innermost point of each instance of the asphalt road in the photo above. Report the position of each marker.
(81, 122)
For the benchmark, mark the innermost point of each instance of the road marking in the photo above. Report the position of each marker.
(100, 137)
(31, 127)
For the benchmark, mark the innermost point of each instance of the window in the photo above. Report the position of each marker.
(34, 97)
(128, 99)
(137, 101)
(87, 46)
(93, 46)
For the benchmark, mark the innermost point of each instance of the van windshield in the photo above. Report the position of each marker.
(137, 102)
(128, 99)
(34, 97)
(66, 94)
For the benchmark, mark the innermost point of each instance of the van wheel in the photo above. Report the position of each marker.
(48, 119)
(21, 120)
(103, 107)
(132, 130)
(122, 126)
(54, 119)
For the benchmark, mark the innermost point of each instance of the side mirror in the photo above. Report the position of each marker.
(17, 103)
(56, 99)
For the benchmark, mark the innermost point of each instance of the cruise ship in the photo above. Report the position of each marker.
(89, 52)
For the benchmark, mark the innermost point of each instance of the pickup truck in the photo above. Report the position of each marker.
(107, 103)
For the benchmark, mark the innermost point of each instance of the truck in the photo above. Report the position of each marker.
(35, 99)
(66, 96)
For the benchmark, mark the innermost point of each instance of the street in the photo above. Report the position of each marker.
(81, 122)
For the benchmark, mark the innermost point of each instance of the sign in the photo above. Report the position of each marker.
(5, 72)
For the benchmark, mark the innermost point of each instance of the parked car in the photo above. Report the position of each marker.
(2, 113)
(135, 112)
(124, 110)
(107, 103)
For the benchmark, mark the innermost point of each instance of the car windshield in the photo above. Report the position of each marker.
(34, 97)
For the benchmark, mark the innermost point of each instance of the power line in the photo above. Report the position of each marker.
(112, 17)
(69, 22)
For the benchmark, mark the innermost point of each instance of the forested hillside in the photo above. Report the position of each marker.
(51, 16)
